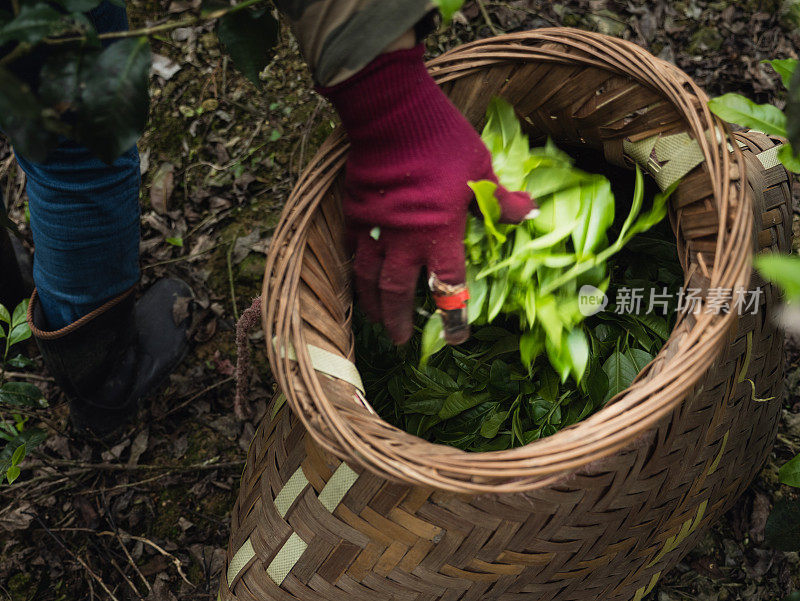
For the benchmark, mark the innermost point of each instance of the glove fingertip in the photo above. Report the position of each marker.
(515, 206)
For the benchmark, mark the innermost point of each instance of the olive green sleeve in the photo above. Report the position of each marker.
(339, 37)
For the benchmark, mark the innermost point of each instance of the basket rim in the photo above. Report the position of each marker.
(353, 434)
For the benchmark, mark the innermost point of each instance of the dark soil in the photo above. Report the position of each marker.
(219, 161)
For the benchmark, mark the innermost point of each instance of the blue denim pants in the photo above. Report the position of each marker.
(84, 219)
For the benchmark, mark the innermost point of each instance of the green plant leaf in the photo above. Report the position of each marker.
(19, 454)
(175, 241)
(783, 270)
(448, 8)
(784, 67)
(20, 362)
(248, 36)
(31, 438)
(79, 6)
(21, 394)
(578, 348)
(620, 371)
(597, 215)
(4, 315)
(638, 358)
(12, 474)
(789, 472)
(114, 98)
(530, 347)
(790, 160)
(596, 383)
(423, 402)
(34, 22)
(60, 85)
(793, 110)
(548, 386)
(20, 314)
(458, 402)
(782, 531)
(491, 426)
(488, 205)
(103, 93)
(654, 323)
(738, 109)
(22, 120)
(636, 204)
(432, 339)
(478, 292)
(497, 296)
(19, 334)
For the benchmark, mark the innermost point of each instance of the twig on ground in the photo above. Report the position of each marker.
(175, 561)
(26, 376)
(487, 18)
(168, 26)
(124, 577)
(130, 484)
(196, 396)
(184, 258)
(76, 558)
(113, 523)
(123, 467)
(306, 133)
(37, 415)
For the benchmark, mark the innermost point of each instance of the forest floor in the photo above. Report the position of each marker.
(219, 160)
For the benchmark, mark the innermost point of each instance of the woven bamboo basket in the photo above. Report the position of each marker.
(336, 504)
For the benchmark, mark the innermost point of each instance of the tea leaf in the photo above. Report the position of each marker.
(621, 371)
(432, 338)
(491, 426)
(790, 160)
(638, 358)
(21, 394)
(785, 68)
(782, 530)
(448, 8)
(739, 109)
(249, 36)
(789, 472)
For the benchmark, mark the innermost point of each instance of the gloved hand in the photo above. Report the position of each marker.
(412, 154)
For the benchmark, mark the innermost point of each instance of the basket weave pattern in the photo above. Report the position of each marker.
(335, 504)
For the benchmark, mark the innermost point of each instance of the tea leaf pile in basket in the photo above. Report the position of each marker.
(510, 384)
(534, 271)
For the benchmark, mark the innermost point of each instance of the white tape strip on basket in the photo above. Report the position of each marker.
(326, 362)
(670, 158)
(292, 550)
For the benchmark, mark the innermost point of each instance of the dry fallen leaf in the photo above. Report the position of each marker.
(161, 187)
(138, 447)
(17, 519)
(164, 67)
(180, 310)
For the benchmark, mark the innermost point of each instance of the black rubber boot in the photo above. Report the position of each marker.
(16, 282)
(111, 359)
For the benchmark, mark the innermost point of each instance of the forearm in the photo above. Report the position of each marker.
(339, 37)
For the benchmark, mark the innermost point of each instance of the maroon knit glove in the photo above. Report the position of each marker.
(412, 154)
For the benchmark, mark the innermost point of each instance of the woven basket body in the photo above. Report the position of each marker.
(336, 505)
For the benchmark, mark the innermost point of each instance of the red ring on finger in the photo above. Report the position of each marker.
(451, 302)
